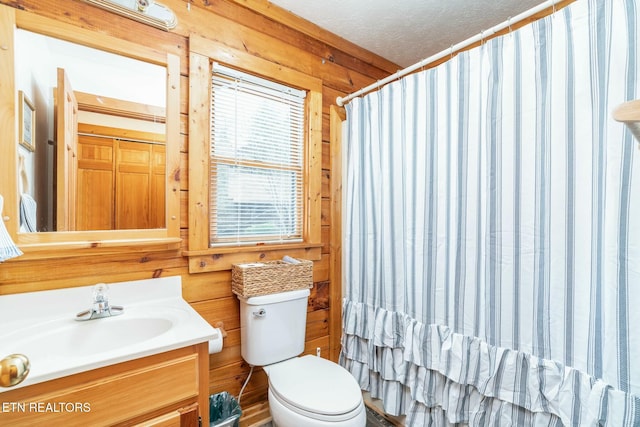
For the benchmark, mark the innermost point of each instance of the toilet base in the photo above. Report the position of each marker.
(285, 417)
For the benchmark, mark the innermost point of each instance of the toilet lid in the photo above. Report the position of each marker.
(315, 385)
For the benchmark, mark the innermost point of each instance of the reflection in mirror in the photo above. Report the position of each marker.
(95, 156)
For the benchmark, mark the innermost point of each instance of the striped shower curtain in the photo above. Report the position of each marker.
(492, 230)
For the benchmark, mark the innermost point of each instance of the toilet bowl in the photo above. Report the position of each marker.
(313, 392)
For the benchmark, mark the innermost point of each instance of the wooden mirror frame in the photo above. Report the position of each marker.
(72, 243)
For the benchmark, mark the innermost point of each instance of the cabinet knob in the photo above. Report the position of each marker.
(14, 369)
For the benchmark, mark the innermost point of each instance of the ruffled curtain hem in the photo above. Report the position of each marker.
(437, 377)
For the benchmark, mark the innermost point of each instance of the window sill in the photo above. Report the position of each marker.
(222, 258)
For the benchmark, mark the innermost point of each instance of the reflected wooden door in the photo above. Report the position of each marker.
(95, 183)
(66, 153)
(140, 185)
(158, 180)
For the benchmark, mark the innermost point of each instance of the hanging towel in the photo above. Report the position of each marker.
(28, 209)
(8, 248)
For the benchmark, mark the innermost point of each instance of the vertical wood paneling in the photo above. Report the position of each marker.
(199, 113)
(338, 115)
(173, 157)
(9, 210)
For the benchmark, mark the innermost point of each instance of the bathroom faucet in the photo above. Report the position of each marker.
(100, 307)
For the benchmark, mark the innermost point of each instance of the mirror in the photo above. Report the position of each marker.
(95, 145)
(105, 171)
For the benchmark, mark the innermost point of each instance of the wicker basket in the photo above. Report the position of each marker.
(250, 280)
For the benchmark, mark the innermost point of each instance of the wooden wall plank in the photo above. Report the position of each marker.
(326, 183)
(326, 239)
(321, 269)
(199, 89)
(326, 160)
(207, 286)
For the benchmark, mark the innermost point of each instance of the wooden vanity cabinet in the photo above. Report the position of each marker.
(166, 389)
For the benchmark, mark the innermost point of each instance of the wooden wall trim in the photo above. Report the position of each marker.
(172, 201)
(8, 117)
(313, 167)
(337, 116)
(199, 118)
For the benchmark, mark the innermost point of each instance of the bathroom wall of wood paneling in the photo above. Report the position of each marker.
(264, 30)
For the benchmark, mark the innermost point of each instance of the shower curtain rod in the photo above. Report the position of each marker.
(454, 48)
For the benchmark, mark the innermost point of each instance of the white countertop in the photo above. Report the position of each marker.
(42, 326)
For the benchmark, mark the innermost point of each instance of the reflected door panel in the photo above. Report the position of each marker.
(140, 181)
(158, 185)
(66, 153)
(121, 184)
(95, 183)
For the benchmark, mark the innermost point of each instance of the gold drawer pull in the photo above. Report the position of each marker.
(13, 369)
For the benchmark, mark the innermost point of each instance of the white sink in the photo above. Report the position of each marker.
(42, 326)
(69, 338)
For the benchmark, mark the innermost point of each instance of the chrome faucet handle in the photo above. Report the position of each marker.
(100, 307)
(100, 299)
(100, 293)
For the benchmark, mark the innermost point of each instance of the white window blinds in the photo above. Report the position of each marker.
(257, 157)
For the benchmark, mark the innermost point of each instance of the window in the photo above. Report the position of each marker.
(257, 160)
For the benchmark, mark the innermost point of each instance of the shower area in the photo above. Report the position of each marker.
(491, 230)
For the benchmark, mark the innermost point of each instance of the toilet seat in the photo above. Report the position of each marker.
(316, 388)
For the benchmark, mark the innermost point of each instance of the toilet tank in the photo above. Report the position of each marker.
(273, 326)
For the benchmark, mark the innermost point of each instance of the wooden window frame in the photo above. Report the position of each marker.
(202, 258)
(232, 88)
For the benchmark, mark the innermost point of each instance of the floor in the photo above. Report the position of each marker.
(258, 416)
(376, 420)
(373, 420)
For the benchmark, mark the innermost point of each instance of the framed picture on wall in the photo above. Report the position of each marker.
(27, 120)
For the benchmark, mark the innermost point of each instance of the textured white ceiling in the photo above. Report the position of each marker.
(406, 31)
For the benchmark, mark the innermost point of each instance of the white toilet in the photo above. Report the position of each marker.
(305, 391)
